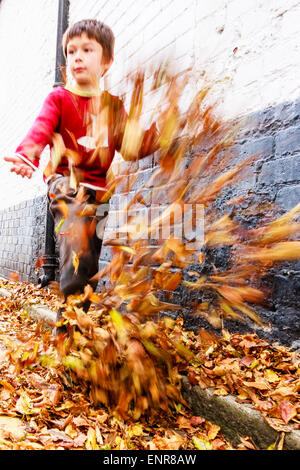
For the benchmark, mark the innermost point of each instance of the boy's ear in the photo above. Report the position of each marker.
(107, 65)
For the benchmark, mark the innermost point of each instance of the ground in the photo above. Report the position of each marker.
(42, 409)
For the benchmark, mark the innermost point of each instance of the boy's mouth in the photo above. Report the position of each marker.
(79, 69)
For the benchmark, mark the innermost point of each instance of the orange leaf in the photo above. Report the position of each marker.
(287, 411)
(75, 261)
(39, 263)
(196, 420)
(271, 376)
(258, 385)
(63, 208)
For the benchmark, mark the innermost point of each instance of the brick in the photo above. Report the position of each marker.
(287, 141)
(105, 253)
(288, 197)
(145, 163)
(285, 170)
(115, 202)
(287, 113)
(122, 186)
(140, 179)
(264, 147)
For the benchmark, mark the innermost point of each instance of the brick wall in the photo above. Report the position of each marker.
(274, 178)
(250, 47)
(22, 238)
(27, 51)
(251, 51)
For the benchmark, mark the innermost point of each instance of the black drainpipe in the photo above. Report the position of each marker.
(62, 24)
(49, 258)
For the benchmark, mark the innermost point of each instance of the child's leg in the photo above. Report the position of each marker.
(78, 243)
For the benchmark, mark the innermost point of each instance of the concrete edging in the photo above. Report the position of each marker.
(235, 419)
(38, 312)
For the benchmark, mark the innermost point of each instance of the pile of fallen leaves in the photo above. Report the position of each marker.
(23, 294)
(254, 371)
(43, 407)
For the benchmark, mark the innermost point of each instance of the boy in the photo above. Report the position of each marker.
(84, 127)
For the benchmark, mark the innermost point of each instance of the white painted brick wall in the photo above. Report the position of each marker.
(264, 69)
(27, 58)
(262, 72)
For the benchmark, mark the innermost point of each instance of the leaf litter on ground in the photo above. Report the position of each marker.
(42, 408)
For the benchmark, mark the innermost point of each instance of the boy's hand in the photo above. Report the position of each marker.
(19, 166)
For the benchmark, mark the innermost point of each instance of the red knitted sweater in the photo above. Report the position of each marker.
(89, 136)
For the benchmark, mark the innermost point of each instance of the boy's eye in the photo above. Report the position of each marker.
(70, 52)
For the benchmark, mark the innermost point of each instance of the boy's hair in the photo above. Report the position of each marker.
(94, 29)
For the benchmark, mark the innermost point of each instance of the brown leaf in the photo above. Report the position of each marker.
(258, 385)
(213, 430)
(71, 431)
(14, 276)
(12, 427)
(287, 411)
(63, 208)
(196, 420)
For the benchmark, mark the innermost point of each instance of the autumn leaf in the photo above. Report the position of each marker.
(59, 225)
(127, 249)
(13, 427)
(170, 440)
(135, 430)
(196, 420)
(201, 444)
(271, 376)
(132, 140)
(25, 407)
(63, 208)
(14, 276)
(287, 250)
(71, 431)
(8, 386)
(73, 362)
(75, 261)
(287, 411)
(57, 151)
(213, 431)
(91, 441)
(258, 385)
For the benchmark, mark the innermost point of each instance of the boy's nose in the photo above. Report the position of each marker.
(78, 56)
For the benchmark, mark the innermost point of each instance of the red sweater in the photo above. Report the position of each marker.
(91, 147)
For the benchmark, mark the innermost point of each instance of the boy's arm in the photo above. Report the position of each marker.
(27, 155)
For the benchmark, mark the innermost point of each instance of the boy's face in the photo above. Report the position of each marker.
(86, 61)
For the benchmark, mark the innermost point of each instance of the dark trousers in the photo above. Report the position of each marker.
(79, 245)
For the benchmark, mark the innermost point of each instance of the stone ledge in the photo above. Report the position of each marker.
(236, 419)
(4, 293)
(38, 312)
(41, 313)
